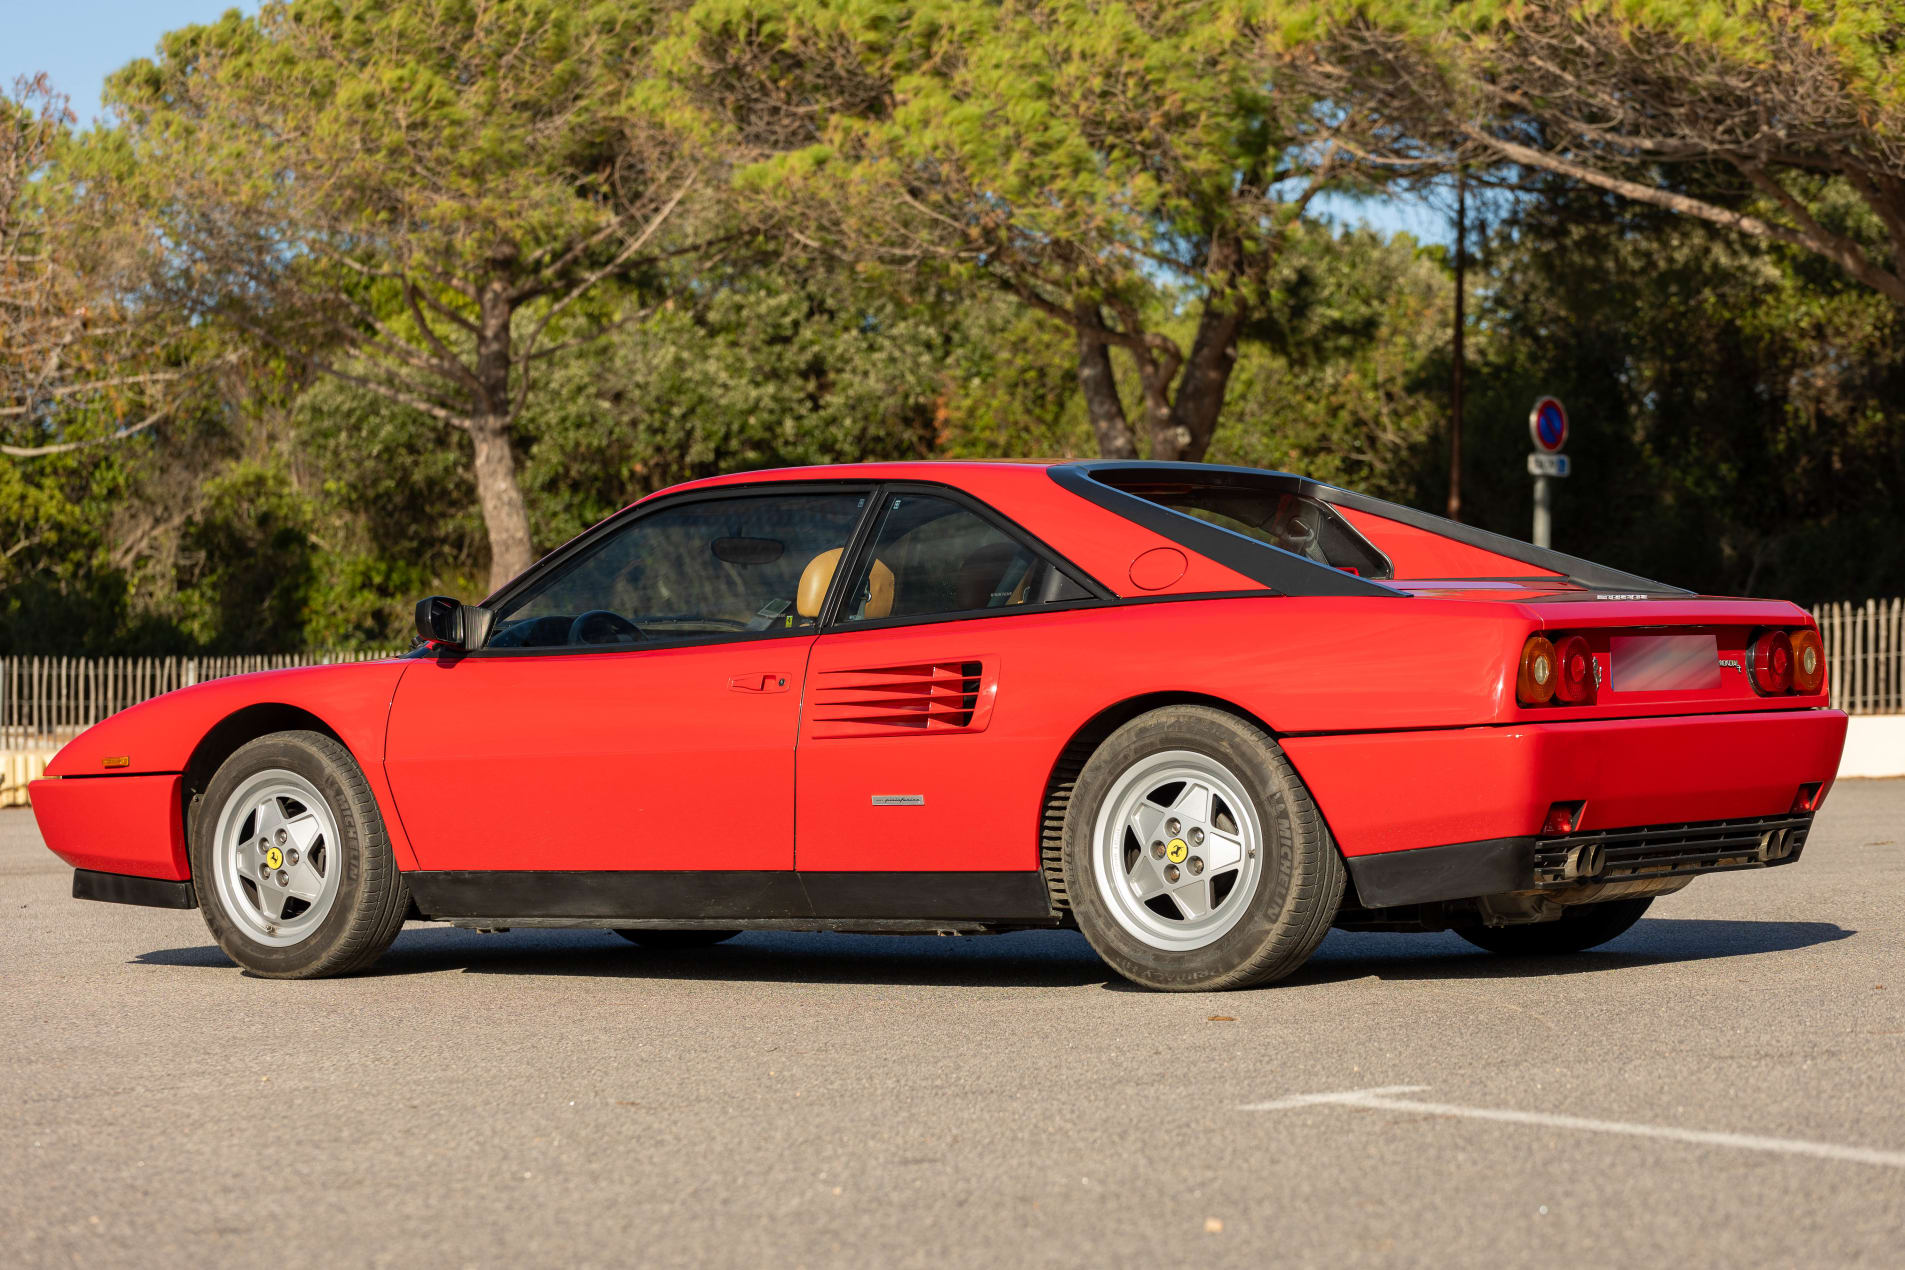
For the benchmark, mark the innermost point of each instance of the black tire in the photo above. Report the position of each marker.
(1302, 876)
(371, 898)
(675, 938)
(1577, 929)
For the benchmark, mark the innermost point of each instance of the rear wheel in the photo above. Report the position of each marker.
(293, 872)
(1576, 930)
(675, 938)
(1194, 858)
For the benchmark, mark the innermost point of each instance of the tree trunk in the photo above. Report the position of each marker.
(1157, 369)
(1454, 509)
(1100, 386)
(1170, 442)
(505, 515)
(1201, 387)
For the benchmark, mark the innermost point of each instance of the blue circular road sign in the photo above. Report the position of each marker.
(1548, 424)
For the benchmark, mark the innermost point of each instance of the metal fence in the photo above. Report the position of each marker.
(1865, 657)
(47, 701)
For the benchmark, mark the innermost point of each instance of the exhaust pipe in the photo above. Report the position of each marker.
(1775, 844)
(1584, 861)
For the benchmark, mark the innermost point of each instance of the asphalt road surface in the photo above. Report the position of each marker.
(1724, 1085)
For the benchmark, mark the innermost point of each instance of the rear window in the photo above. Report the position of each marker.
(1296, 523)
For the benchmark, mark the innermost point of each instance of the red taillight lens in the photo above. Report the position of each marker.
(1561, 819)
(1534, 685)
(1772, 658)
(1809, 661)
(1807, 799)
(1574, 672)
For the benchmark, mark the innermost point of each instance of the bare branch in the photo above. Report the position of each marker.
(66, 447)
(393, 393)
(64, 391)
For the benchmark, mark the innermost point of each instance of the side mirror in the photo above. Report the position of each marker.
(441, 620)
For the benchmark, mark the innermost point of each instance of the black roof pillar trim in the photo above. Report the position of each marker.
(1086, 480)
(1282, 571)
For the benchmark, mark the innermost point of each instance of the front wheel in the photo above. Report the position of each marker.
(1578, 928)
(1194, 858)
(290, 862)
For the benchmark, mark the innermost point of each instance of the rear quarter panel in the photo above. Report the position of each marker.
(1296, 664)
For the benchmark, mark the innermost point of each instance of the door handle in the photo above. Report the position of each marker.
(759, 681)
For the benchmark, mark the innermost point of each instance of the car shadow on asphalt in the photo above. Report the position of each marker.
(1047, 959)
(1653, 941)
(1035, 959)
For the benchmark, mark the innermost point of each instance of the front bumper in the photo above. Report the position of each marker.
(127, 888)
(1468, 870)
(115, 824)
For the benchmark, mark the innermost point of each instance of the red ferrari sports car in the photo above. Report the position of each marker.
(1200, 713)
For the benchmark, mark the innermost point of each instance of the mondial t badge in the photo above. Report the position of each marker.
(274, 858)
(1177, 850)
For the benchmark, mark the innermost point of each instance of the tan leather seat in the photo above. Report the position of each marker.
(980, 574)
(818, 576)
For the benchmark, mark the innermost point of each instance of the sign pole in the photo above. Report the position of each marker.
(1548, 426)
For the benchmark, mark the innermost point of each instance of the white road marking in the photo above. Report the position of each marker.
(1384, 1099)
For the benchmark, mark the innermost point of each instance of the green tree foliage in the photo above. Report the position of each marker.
(1082, 156)
(1347, 380)
(421, 197)
(1344, 382)
(766, 370)
(88, 355)
(353, 299)
(761, 369)
(88, 363)
(1780, 119)
(1737, 408)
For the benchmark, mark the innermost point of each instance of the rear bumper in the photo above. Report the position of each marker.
(1403, 791)
(1466, 870)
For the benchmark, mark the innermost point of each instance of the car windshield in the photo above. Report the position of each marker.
(1297, 523)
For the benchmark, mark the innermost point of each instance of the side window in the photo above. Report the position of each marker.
(931, 556)
(755, 562)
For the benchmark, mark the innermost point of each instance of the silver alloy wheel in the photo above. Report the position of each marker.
(277, 857)
(1177, 850)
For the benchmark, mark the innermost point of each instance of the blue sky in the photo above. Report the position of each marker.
(79, 42)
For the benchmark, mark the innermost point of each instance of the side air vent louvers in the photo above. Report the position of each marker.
(928, 698)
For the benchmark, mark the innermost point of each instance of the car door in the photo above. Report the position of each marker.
(915, 752)
(636, 704)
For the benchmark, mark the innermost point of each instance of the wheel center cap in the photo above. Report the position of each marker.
(274, 858)
(1177, 850)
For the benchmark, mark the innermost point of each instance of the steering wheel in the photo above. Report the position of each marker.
(622, 631)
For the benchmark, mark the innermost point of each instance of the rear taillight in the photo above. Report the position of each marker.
(1534, 685)
(1771, 658)
(1574, 672)
(1809, 661)
(1559, 672)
